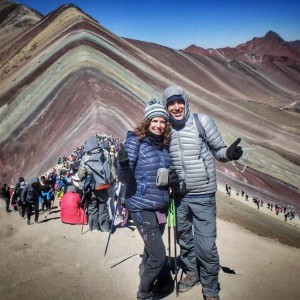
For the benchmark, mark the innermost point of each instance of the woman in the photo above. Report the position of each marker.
(145, 152)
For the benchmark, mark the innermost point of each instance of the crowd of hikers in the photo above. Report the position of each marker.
(287, 211)
(38, 195)
(163, 174)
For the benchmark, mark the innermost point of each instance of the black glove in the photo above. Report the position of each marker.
(122, 155)
(173, 179)
(234, 152)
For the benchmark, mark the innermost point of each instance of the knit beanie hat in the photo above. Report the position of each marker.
(155, 109)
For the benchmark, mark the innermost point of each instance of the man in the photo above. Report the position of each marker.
(30, 197)
(93, 163)
(6, 196)
(20, 185)
(194, 162)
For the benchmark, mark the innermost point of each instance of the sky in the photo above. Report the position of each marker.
(180, 23)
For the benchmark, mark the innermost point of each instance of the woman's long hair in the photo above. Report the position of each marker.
(142, 130)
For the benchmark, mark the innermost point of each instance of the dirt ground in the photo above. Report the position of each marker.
(53, 260)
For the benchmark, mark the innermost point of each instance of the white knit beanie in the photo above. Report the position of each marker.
(155, 109)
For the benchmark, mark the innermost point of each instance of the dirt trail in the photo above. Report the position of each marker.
(53, 260)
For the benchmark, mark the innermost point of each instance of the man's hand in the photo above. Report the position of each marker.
(173, 179)
(122, 154)
(234, 152)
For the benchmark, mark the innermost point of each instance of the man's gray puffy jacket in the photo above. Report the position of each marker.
(193, 160)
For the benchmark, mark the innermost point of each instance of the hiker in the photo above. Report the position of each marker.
(144, 153)
(13, 201)
(52, 178)
(286, 215)
(95, 163)
(47, 195)
(71, 209)
(17, 196)
(194, 153)
(5, 191)
(30, 197)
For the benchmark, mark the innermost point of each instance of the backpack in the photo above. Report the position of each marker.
(32, 195)
(18, 191)
(101, 176)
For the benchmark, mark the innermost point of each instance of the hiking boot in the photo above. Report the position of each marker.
(37, 222)
(188, 282)
(140, 297)
(212, 298)
(28, 222)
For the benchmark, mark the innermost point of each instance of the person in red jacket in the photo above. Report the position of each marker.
(71, 209)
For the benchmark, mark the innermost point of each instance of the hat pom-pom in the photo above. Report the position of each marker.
(153, 101)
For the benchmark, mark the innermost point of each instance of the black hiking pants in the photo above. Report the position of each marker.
(29, 207)
(21, 208)
(154, 260)
(7, 201)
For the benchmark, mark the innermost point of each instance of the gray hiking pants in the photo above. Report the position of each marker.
(196, 221)
(98, 215)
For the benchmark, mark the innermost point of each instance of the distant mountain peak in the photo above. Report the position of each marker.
(273, 36)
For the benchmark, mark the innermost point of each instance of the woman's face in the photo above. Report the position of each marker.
(157, 125)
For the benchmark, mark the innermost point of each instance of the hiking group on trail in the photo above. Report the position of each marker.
(286, 210)
(168, 158)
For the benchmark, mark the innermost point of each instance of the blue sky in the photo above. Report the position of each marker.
(180, 23)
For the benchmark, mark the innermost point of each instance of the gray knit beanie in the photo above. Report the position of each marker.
(155, 109)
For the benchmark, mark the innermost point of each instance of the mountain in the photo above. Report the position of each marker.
(295, 45)
(64, 77)
(270, 48)
(15, 19)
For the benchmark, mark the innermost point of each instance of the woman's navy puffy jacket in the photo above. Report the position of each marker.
(140, 175)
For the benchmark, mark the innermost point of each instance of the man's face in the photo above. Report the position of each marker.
(176, 109)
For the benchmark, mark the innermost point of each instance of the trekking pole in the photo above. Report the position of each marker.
(174, 223)
(169, 235)
(110, 230)
(82, 199)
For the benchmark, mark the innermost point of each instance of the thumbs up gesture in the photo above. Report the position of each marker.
(234, 152)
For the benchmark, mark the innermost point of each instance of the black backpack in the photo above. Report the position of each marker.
(32, 195)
